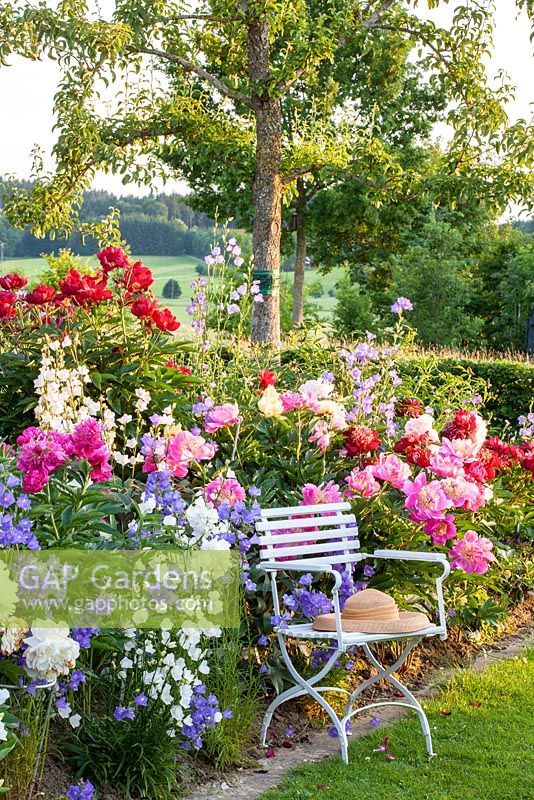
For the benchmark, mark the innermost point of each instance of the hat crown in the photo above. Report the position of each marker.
(370, 604)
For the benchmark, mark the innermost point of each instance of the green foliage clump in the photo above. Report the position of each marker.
(171, 290)
(353, 312)
(510, 384)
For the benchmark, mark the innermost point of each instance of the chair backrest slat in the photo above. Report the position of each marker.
(304, 521)
(320, 534)
(267, 513)
(285, 536)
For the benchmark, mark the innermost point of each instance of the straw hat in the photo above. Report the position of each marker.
(371, 611)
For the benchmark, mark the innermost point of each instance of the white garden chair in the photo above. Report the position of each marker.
(282, 533)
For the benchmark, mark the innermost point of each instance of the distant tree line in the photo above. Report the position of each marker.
(162, 225)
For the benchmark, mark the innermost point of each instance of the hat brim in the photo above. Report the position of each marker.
(408, 622)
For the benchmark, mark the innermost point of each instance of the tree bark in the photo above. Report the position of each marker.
(300, 256)
(267, 186)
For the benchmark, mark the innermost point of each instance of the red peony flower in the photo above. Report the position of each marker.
(7, 310)
(360, 439)
(165, 320)
(112, 258)
(40, 295)
(83, 289)
(184, 370)
(267, 378)
(409, 407)
(137, 278)
(418, 456)
(462, 425)
(8, 297)
(13, 281)
(143, 307)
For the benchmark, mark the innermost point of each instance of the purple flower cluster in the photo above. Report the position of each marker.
(401, 304)
(15, 530)
(198, 307)
(84, 790)
(84, 635)
(159, 487)
(121, 713)
(310, 604)
(204, 713)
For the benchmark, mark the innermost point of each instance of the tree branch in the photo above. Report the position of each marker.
(190, 66)
(377, 15)
(297, 173)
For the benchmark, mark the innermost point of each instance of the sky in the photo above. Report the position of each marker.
(27, 90)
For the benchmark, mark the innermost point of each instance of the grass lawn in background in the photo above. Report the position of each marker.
(182, 269)
(484, 738)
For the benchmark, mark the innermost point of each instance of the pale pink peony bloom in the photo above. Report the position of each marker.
(315, 495)
(441, 529)
(461, 492)
(426, 500)
(472, 553)
(185, 448)
(321, 435)
(334, 411)
(222, 489)
(391, 469)
(316, 390)
(221, 417)
(464, 449)
(421, 426)
(363, 482)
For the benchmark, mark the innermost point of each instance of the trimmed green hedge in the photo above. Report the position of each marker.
(510, 383)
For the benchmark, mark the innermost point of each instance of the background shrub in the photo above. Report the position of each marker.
(510, 383)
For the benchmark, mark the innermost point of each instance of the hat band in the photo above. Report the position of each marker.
(385, 614)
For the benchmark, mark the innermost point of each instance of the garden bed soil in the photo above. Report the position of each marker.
(424, 673)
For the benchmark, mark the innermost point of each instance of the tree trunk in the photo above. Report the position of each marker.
(300, 256)
(267, 188)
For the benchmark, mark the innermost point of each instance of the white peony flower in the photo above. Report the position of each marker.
(12, 639)
(50, 652)
(316, 390)
(4, 696)
(3, 729)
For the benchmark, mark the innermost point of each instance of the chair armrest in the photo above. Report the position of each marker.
(433, 558)
(410, 555)
(302, 566)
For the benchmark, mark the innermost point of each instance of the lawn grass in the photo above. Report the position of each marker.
(182, 269)
(484, 743)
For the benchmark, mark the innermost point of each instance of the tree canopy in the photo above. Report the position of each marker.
(157, 74)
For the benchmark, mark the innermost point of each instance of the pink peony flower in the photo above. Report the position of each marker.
(40, 454)
(88, 445)
(316, 495)
(222, 489)
(185, 448)
(391, 469)
(322, 435)
(292, 401)
(426, 500)
(461, 492)
(441, 529)
(421, 426)
(446, 463)
(221, 417)
(363, 482)
(472, 553)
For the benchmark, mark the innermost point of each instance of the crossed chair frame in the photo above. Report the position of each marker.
(307, 558)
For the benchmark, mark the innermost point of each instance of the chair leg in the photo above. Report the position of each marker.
(303, 687)
(386, 674)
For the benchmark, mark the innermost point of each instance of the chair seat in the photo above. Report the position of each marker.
(306, 630)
